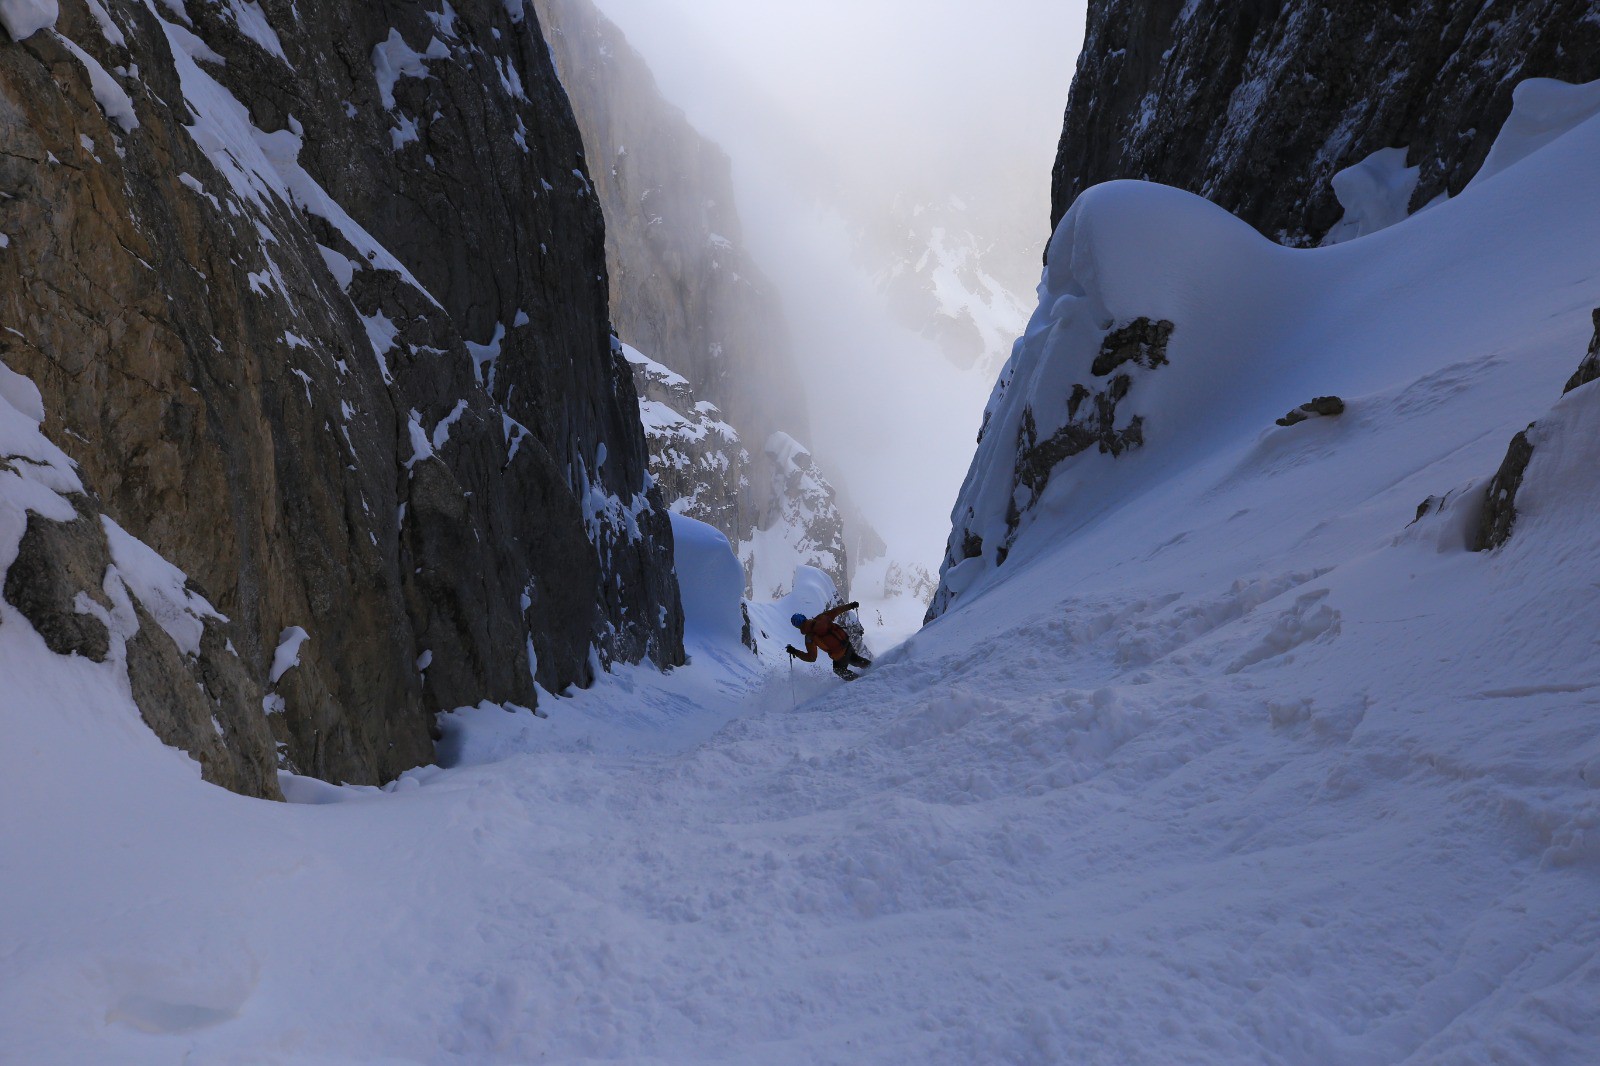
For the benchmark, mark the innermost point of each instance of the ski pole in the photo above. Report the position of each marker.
(793, 703)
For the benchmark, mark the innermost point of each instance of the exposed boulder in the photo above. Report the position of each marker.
(1142, 342)
(1500, 499)
(1319, 407)
(1589, 369)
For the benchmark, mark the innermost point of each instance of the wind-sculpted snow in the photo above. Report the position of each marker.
(1393, 323)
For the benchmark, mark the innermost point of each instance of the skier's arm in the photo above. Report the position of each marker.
(809, 655)
(837, 611)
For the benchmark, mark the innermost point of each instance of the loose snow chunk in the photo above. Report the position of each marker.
(394, 59)
(111, 97)
(711, 580)
(22, 394)
(192, 183)
(1543, 110)
(108, 29)
(510, 80)
(421, 446)
(342, 269)
(160, 587)
(24, 18)
(252, 22)
(287, 656)
(381, 332)
(657, 370)
(444, 21)
(1375, 194)
(514, 432)
(441, 432)
(404, 134)
(36, 471)
(484, 355)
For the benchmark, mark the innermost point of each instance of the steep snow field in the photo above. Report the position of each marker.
(1226, 764)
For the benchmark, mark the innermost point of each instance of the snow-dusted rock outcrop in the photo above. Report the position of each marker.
(684, 290)
(91, 590)
(316, 300)
(1563, 442)
(716, 376)
(1102, 400)
(799, 523)
(698, 459)
(1256, 107)
(775, 506)
(945, 282)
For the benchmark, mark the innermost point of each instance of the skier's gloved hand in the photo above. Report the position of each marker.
(792, 650)
(851, 606)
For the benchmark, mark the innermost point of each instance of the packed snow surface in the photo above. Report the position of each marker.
(1227, 764)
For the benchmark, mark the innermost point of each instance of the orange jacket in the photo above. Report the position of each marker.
(823, 632)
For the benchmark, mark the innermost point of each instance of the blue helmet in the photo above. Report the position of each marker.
(798, 620)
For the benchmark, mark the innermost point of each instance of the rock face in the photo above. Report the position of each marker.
(1499, 512)
(688, 297)
(1589, 369)
(316, 299)
(696, 457)
(944, 282)
(1256, 106)
(800, 525)
(1316, 407)
(684, 291)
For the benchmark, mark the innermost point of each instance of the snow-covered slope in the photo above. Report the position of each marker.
(1228, 763)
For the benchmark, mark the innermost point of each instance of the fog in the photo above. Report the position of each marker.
(831, 110)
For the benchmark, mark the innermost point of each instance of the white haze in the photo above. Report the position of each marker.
(849, 101)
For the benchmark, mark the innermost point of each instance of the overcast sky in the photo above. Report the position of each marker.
(961, 97)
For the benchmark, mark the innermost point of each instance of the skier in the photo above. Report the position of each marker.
(823, 632)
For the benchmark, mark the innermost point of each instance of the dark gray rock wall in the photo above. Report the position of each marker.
(1257, 104)
(684, 290)
(687, 295)
(328, 329)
